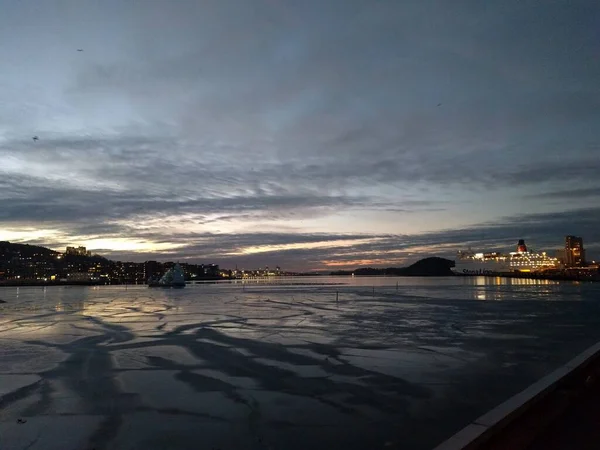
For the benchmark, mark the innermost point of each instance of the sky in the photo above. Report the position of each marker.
(313, 134)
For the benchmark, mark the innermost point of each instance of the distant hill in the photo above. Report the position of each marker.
(9, 250)
(432, 267)
(427, 267)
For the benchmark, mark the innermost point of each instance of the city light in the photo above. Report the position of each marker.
(524, 260)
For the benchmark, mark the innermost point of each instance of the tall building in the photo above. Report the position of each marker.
(574, 251)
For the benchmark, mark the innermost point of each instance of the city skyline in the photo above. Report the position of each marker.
(312, 135)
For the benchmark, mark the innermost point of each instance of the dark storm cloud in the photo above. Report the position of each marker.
(36, 202)
(570, 194)
(575, 171)
(129, 187)
(123, 165)
(113, 214)
(544, 231)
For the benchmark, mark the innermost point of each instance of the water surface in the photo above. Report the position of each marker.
(277, 364)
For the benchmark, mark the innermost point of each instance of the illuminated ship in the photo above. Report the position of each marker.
(173, 277)
(471, 263)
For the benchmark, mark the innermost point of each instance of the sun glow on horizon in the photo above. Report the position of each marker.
(305, 245)
(361, 262)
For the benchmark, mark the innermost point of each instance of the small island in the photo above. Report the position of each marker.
(427, 267)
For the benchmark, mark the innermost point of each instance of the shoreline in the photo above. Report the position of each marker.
(53, 283)
(29, 283)
(594, 277)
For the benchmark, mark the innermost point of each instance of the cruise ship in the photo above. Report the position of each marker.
(492, 263)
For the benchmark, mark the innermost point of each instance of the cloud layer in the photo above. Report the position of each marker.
(307, 134)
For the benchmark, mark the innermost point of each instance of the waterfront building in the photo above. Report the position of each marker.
(574, 251)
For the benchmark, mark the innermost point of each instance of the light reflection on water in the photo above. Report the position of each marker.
(70, 298)
(449, 288)
(385, 346)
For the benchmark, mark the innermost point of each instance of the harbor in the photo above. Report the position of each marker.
(299, 225)
(363, 364)
(569, 264)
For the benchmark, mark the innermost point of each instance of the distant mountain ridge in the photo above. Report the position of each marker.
(9, 251)
(24, 250)
(427, 267)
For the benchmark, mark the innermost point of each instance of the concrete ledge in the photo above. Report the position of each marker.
(520, 401)
(584, 358)
(471, 433)
(489, 428)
